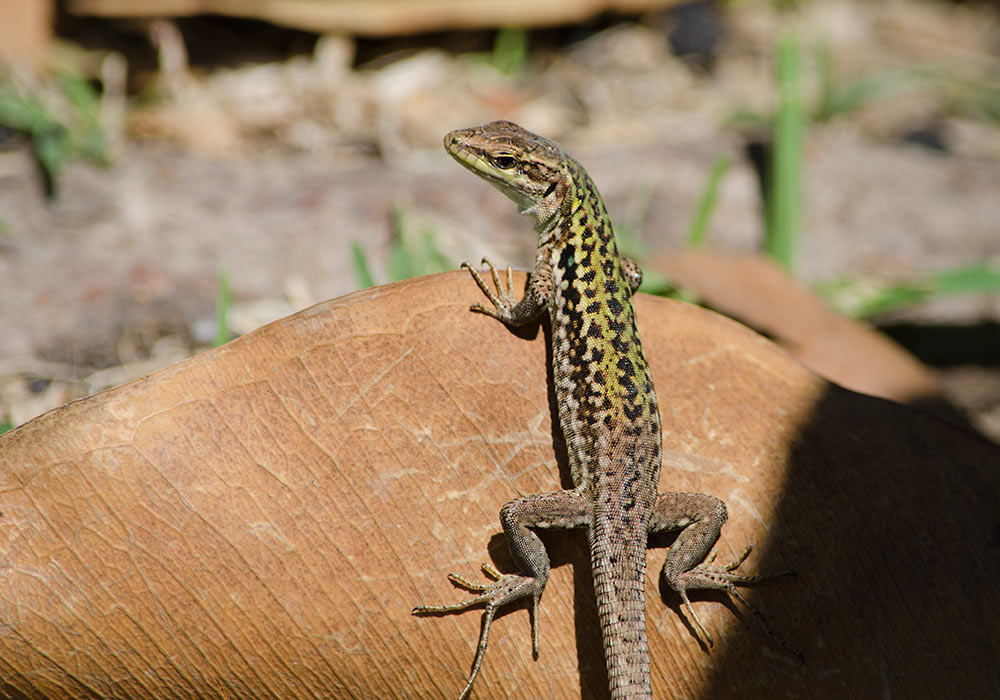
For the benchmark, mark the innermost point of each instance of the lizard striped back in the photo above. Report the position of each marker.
(609, 414)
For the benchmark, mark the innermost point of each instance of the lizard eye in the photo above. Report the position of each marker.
(504, 162)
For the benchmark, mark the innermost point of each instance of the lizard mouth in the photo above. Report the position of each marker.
(500, 179)
(472, 161)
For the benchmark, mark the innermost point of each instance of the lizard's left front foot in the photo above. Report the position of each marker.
(504, 589)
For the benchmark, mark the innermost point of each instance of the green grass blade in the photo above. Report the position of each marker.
(400, 263)
(863, 299)
(835, 98)
(706, 205)
(52, 148)
(432, 260)
(54, 140)
(510, 50)
(978, 278)
(413, 250)
(363, 278)
(786, 167)
(23, 112)
(4, 427)
(80, 94)
(89, 139)
(223, 301)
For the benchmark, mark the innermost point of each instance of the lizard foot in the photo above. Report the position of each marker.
(503, 299)
(505, 588)
(708, 577)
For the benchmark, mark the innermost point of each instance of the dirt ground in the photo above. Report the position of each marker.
(273, 168)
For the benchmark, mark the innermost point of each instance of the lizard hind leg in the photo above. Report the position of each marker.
(700, 518)
(707, 577)
(559, 509)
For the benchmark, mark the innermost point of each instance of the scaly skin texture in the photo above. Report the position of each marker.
(607, 410)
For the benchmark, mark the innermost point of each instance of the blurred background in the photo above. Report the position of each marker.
(177, 172)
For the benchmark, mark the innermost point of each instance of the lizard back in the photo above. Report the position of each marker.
(609, 414)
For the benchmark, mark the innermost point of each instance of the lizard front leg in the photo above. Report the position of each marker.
(561, 509)
(506, 308)
(700, 518)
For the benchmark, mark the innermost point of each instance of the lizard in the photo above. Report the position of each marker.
(607, 410)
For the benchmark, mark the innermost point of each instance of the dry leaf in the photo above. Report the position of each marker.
(759, 293)
(259, 520)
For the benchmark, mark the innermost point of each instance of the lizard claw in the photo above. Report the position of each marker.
(468, 585)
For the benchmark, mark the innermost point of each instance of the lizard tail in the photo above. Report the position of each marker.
(618, 560)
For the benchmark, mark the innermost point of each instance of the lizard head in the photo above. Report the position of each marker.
(530, 169)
